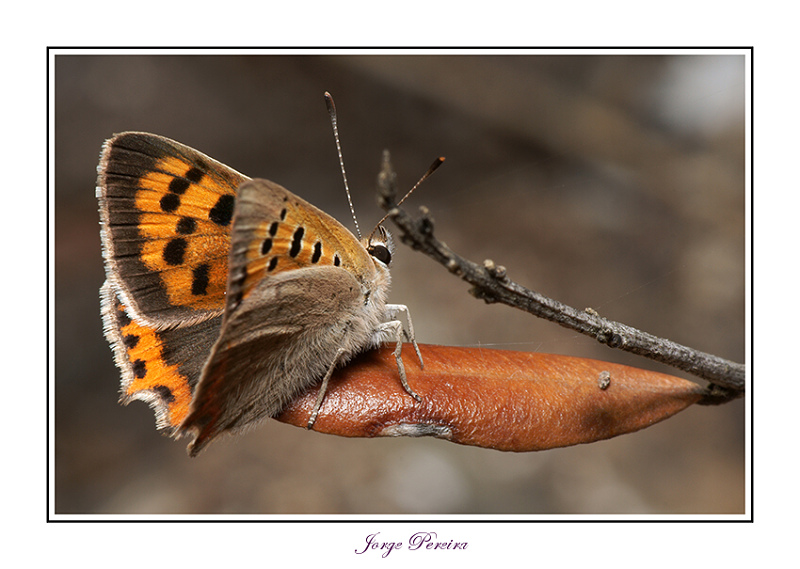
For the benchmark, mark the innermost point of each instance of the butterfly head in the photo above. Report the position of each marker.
(380, 246)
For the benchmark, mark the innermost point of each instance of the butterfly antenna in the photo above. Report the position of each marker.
(332, 113)
(436, 163)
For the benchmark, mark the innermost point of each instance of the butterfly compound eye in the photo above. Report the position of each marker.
(381, 252)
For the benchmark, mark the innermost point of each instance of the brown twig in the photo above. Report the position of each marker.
(490, 283)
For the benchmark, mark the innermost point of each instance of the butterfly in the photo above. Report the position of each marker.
(226, 297)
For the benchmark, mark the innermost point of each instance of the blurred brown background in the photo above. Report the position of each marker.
(608, 181)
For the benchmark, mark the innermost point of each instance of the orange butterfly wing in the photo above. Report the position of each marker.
(166, 212)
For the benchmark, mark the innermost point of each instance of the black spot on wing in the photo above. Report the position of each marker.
(222, 212)
(174, 251)
(297, 242)
(200, 279)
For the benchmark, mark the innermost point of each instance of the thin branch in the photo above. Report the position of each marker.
(490, 283)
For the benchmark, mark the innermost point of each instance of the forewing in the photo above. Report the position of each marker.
(166, 213)
(276, 231)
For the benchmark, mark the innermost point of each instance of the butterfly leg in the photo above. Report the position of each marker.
(324, 388)
(392, 310)
(395, 329)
